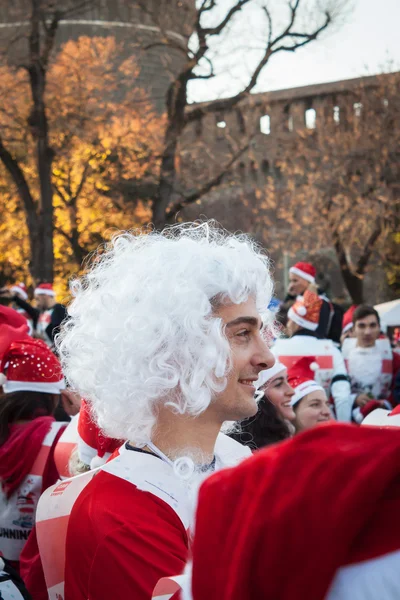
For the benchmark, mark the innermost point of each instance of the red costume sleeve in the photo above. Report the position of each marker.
(120, 542)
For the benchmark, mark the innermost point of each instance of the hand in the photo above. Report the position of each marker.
(362, 400)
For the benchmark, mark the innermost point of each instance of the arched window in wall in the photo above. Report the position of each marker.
(265, 124)
(310, 118)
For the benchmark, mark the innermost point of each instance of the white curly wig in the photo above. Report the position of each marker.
(141, 327)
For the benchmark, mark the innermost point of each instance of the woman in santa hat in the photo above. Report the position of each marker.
(309, 402)
(273, 421)
(32, 381)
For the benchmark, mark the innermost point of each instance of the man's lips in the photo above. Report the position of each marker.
(248, 383)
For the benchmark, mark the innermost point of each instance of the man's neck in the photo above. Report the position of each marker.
(180, 435)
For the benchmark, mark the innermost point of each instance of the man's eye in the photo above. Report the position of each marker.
(244, 333)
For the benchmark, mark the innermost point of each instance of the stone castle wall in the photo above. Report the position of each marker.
(139, 29)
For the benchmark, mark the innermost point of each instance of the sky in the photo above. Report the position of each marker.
(366, 43)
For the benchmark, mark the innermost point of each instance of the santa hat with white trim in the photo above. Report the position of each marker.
(30, 366)
(94, 448)
(267, 374)
(383, 418)
(301, 377)
(306, 310)
(347, 322)
(20, 288)
(285, 490)
(45, 289)
(304, 270)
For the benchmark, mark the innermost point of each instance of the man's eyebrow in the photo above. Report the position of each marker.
(248, 320)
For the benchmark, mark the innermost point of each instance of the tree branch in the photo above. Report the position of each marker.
(218, 28)
(368, 249)
(18, 178)
(208, 186)
(273, 46)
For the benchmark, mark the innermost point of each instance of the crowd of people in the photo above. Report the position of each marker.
(168, 436)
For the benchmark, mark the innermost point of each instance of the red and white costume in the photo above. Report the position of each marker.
(138, 526)
(282, 525)
(383, 418)
(26, 457)
(83, 435)
(331, 373)
(371, 370)
(17, 510)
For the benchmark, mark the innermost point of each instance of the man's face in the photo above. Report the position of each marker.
(366, 331)
(297, 285)
(250, 355)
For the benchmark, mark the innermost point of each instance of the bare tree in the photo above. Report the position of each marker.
(347, 178)
(40, 32)
(288, 37)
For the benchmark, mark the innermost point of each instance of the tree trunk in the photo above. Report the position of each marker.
(353, 282)
(43, 263)
(354, 285)
(176, 104)
(43, 260)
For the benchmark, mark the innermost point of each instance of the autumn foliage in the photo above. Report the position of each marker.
(103, 132)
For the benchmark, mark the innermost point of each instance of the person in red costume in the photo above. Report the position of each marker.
(32, 382)
(313, 517)
(177, 354)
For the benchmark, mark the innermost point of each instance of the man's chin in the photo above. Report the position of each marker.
(248, 408)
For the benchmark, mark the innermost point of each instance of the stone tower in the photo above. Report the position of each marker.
(140, 24)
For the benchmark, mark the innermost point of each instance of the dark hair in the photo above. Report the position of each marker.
(23, 406)
(265, 428)
(363, 311)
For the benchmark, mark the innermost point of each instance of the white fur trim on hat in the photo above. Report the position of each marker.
(302, 274)
(347, 327)
(34, 386)
(301, 321)
(303, 389)
(18, 290)
(268, 374)
(45, 292)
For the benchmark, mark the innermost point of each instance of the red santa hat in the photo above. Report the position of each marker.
(306, 310)
(29, 365)
(94, 448)
(268, 374)
(20, 288)
(304, 270)
(13, 326)
(383, 418)
(301, 377)
(262, 529)
(347, 322)
(45, 289)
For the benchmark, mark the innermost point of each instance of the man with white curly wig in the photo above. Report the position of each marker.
(165, 341)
